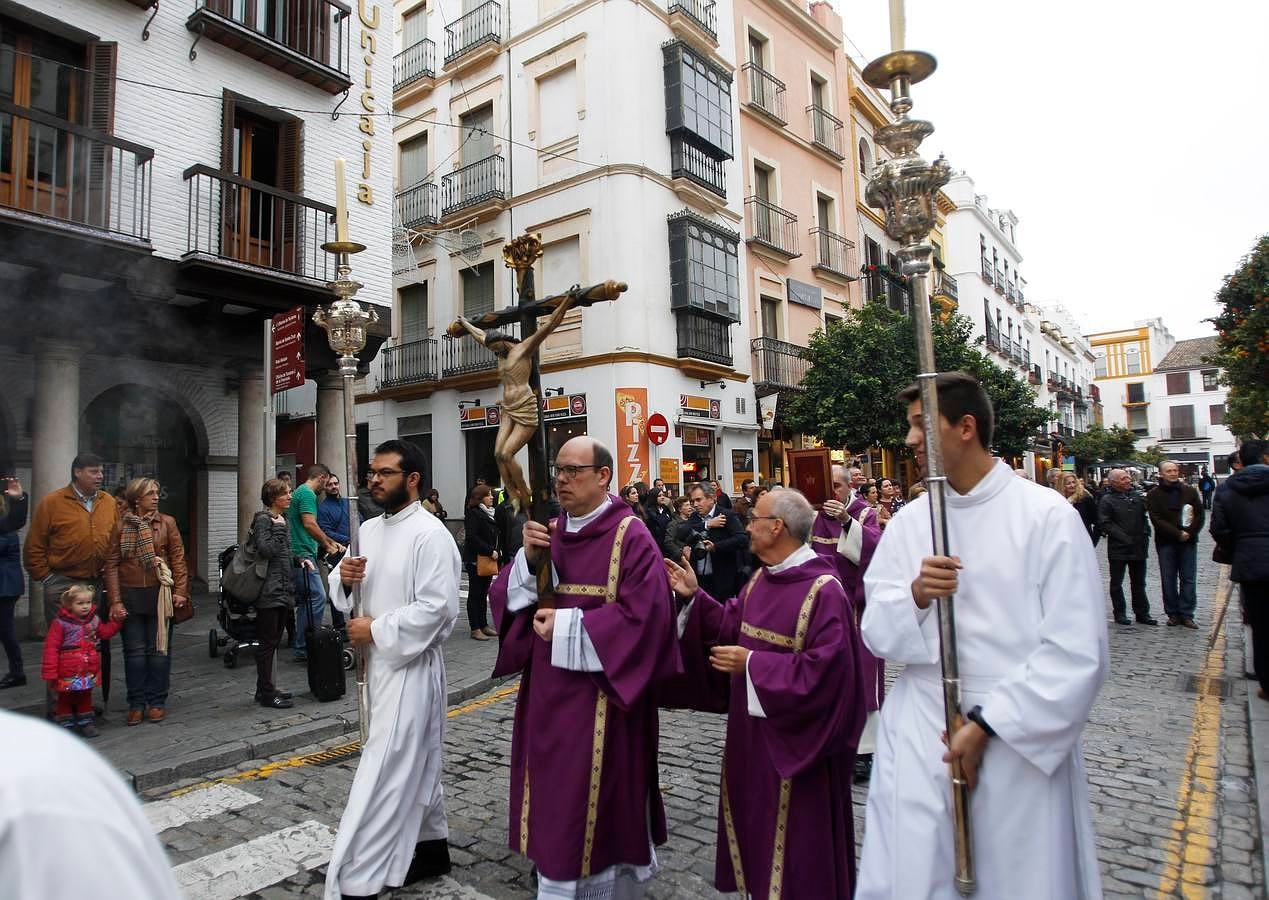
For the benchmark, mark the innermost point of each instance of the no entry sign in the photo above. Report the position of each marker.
(658, 429)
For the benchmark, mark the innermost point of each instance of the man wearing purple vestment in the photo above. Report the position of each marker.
(792, 650)
(846, 532)
(585, 803)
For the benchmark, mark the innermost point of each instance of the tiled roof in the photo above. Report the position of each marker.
(1188, 354)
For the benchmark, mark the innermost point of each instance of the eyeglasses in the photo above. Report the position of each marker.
(774, 518)
(568, 473)
(381, 473)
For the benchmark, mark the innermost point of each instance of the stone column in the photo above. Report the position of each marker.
(250, 445)
(330, 428)
(54, 435)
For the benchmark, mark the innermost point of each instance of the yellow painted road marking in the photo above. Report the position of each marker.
(1194, 828)
(334, 753)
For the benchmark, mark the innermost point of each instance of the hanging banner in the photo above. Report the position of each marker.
(287, 335)
(632, 445)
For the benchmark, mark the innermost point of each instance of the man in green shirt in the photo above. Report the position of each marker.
(306, 539)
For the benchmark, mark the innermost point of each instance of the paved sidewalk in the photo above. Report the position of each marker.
(1258, 726)
(212, 720)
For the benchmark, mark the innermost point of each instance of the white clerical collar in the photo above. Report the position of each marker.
(999, 477)
(574, 524)
(798, 557)
(406, 512)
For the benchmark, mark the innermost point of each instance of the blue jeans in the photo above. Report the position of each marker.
(1178, 568)
(310, 605)
(146, 671)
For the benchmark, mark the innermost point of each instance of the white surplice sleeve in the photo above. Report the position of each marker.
(1039, 708)
(571, 646)
(426, 620)
(335, 590)
(752, 702)
(893, 627)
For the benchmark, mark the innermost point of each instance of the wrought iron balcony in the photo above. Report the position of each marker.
(1183, 433)
(945, 286)
(463, 356)
(703, 336)
(833, 253)
(56, 170)
(686, 161)
(765, 92)
(1033, 375)
(993, 337)
(307, 39)
(483, 25)
(417, 205)
(882, 285)
(1065, 430)
(986, 269)
(703, 12)
(1006, 347)
(1026, 359)
(826, 130)
(414, 362)
(1095, 392)
(1022, 301)
(1010, 291)
(999, 280)
(414, 63)
(778, 364)
(254, 224)
(473, 184)
(772, 227)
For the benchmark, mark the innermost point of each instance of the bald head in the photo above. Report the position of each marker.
(841, 483)
(1119, 480)
(582, 492)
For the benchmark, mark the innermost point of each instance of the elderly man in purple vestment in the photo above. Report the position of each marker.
(792, 650)
(846, 532)
(585, 803)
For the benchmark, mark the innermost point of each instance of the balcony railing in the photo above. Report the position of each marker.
(1006, 347)
(883, 285)
(1183, 433)
(833, 253)
(417, 205)
(702, 12)
(778, 364)
(1015, 353)
(945, 286)
(72, 174)
(1022, 301)
(473, 184)
(304, 38)
(772, 226)
(686, 161)
(413, 63)
(254, 224)
(463, 356)
(999, 280)
(826, 130)
(1026, 359)
(993, 337)
(1095, 393)
(703, 337)
(483, 25)
(1010, 291)
(414, 362)
(766, 92)
(986, 269)
(1033, 375)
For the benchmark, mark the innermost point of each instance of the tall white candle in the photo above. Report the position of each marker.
(897, 24)
(341, 203)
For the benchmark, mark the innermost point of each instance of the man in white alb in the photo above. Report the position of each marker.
(393, 830)
(1031, 635)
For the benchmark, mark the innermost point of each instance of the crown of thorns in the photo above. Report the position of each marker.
(495, 337)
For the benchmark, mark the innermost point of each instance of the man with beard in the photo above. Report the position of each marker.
(1032, 647)
(394, 829)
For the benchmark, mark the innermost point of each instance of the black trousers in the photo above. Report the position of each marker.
(269, 631)
(1137, 582)
(1256, 604)
(477, 598)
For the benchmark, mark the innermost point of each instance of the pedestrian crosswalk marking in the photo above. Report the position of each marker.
(246, 868)
(196, 806)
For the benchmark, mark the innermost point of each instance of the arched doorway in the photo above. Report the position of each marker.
(140, 432)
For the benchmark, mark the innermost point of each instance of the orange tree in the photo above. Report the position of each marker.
(1242, 329)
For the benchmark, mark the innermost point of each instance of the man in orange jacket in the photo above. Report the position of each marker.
(68, 542)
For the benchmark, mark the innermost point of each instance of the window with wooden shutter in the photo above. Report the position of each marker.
(478, 289)
(102, 60)
(291, 178)
(414, 312)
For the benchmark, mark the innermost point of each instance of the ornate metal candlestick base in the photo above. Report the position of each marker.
(345, 322)
(905, 187)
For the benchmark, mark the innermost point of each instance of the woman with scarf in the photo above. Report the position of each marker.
(481, 540)
(146, 582)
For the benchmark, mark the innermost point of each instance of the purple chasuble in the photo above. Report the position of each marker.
(584, 791)
(824, 534)
(785, 822)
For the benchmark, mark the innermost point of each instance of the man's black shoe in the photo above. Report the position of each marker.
(285, 695)
(1122, 620)
(1147, 621)
(358, 896)
(12, 681)
(863, 768)
(278, 702)
(431, 859)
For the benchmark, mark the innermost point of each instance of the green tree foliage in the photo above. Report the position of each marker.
(860, 364)
(1242, 329)
(1151, 456)
(1100, 444)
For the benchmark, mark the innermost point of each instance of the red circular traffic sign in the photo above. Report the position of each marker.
(658, 429)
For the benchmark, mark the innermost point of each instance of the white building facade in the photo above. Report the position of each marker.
(609, 131)
(167, 189)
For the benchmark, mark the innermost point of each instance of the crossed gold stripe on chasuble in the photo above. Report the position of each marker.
(816, 539)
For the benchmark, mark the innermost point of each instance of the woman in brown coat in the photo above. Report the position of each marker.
(146, 581)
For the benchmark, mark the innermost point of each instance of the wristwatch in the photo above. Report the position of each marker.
(975, 715)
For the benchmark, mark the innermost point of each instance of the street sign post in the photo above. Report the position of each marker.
(287, 368)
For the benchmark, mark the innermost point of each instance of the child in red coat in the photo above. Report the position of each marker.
(72, 664)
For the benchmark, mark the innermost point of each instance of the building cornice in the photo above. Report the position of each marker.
(800, 19)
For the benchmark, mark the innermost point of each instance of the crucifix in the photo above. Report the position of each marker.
(521, 422)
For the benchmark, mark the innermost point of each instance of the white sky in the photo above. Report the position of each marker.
(1128, 136)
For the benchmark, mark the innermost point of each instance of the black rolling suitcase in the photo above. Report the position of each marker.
(325, 663)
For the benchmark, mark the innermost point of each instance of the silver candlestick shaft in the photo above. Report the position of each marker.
(905, 187)
(345, 322)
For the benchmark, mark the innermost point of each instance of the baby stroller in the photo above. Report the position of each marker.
(237, 618)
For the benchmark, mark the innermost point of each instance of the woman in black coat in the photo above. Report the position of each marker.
(272, 538)
(481, 540)
(13, 505)
(1076, 494)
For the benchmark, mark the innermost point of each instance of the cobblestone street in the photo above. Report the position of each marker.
(1167, 750)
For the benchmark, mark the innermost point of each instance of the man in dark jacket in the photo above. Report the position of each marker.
(716, 558)
(1176, 512)
(1240, 520)
(1121, 516)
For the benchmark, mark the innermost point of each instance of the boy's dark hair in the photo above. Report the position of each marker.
(412, 458)
(315, 470)
(959, 395)
(1253, 452)
(84, 461)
